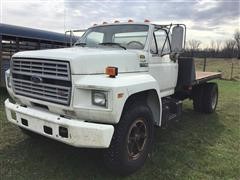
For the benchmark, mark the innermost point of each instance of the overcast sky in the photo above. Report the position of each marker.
(206, 20)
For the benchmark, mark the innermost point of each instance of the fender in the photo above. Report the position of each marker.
(127, 84)
(143, 83)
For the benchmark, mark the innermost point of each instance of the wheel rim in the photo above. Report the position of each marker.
(214, 100)
(136, 140)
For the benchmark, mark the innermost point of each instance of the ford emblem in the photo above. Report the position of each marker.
(36, 79)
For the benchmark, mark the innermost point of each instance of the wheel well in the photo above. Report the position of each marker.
(150, 97)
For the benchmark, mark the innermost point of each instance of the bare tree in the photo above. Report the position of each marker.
(212, 49)
(215, 48)
(194, 44)
(237, 39)
(212, 45)
(229, 48)
(218, 45)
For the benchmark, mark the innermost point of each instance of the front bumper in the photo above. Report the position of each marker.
(79, 133)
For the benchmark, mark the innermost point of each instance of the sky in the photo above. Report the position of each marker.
(206, 20)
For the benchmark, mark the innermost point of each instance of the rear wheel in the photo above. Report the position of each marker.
(132, 140)
(197, 94)
(205, 97)
(210, 98)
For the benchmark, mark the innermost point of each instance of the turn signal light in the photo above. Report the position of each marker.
(116, 21)
(146, 20)
(130, 20)
(94, 24)
(111, 71)
(104, 22)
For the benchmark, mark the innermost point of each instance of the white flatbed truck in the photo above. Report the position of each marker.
(109, 90)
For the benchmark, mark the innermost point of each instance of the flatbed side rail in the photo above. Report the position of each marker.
(202, 77)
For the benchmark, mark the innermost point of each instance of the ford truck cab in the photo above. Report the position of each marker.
(108, 91)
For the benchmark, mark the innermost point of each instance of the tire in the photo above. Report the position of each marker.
(122, 157)
(205, 97)
(197, 94)
(210, 98)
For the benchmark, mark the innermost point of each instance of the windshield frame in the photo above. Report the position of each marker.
(146, 44)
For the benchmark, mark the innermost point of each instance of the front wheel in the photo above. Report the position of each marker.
(132, 140)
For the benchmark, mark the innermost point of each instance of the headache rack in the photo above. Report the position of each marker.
(43, 79)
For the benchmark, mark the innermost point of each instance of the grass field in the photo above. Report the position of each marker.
(198, 147)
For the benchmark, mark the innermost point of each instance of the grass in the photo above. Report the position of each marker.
(221, 65)
(199, 146)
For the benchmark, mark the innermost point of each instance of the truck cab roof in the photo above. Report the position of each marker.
(122, 23)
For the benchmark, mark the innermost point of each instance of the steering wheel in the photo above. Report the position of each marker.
(139, 44)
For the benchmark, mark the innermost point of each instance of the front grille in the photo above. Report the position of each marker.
(43, 68)
(54, 77)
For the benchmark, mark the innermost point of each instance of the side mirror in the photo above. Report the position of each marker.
(178, 39)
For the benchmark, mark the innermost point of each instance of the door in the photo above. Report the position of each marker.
(161, 67)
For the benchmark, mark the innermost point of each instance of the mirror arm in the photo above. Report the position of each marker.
(167, 38)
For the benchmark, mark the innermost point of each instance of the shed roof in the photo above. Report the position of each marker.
(30, 33)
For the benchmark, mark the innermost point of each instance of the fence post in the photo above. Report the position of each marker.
(231, 71)
(204, 64)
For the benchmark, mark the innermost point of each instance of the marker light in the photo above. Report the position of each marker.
(120, 95)
(146, 20)
(130, 20)
(111, 71)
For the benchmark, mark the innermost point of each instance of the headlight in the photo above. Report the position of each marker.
(99, 98)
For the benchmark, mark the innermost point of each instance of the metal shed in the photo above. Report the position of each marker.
(17, 38)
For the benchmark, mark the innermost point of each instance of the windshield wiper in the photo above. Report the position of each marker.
(112, 44)
(80, 44)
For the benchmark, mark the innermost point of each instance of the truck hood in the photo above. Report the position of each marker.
(84, 60)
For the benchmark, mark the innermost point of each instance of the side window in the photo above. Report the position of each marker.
(161, 37)
(94, 38)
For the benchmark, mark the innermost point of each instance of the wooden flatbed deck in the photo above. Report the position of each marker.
(206, 76)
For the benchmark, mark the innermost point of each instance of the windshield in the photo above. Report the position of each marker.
(129, 36)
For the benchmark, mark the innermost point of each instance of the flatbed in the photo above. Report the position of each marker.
(202, 77)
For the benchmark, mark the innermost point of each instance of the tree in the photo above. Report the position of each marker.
(229, 48)
(212, 49)
(194, 44)
(212, 45)
(218, 45)
(237, 39)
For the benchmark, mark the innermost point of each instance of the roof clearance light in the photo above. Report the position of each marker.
(146, 20)
(130, 20)
(111, 71)
(104, 22)
(116, 21)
